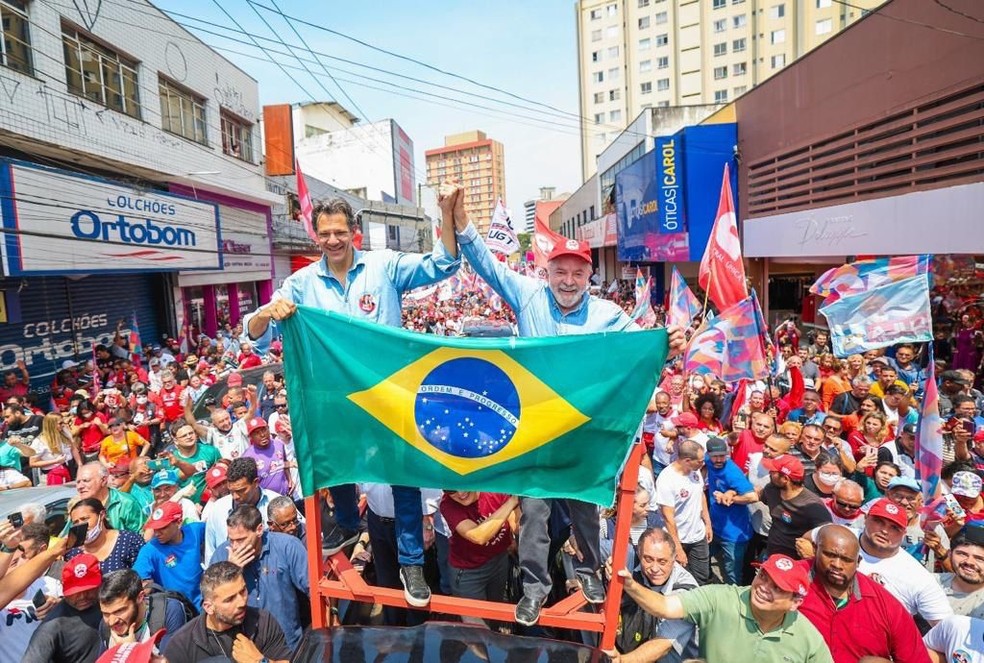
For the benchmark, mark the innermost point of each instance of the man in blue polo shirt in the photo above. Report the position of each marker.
(729, 493)
(173, 558)
(274, 566)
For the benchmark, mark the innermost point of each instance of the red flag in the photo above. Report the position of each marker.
(307, 207)
(544, 240)
(722, 272)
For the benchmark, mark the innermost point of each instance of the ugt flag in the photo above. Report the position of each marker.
(732, 345)
(502, 236)
(722, 272)
(683, 304)
(541, 417)
(897, 312)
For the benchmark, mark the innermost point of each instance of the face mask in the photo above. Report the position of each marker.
(93, 533)
(828, 478)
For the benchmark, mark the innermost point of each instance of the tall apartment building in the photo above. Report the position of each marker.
(637, 54)
(478, 162)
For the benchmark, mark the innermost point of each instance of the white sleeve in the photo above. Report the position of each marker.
(940, 637)
(665, 490)
(932, 602)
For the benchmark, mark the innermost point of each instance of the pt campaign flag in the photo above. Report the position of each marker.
(540, 417)
(502, 236)
(544, 240)
(722, 272)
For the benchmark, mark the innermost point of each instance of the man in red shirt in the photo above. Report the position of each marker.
(856, 616)
(751, 440)
(14, 386)
(169, 399)
(248, 358)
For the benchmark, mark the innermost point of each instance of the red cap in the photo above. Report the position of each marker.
(889, 510)
(979, 435)
(133, 652)
(787, 574)
(787, 465)
(235, 379)
(215, 475)
(164, 515)
(571, 247)
(255, 423)
(80, 574)
(687, 419)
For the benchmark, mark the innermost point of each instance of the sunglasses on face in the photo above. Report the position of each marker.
(847, 506)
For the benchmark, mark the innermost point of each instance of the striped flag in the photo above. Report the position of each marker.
(135, 345)
(733, 345)
(929, 436)
(861, 276)
(307, 207)
(684, 305)
(643, 313)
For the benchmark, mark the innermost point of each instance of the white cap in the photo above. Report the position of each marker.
(68, 363)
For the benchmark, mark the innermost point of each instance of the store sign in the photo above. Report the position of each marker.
(245, 241)
(885, 226)
(598, 233)
(670, 210)
(644, 222)
(55, 222)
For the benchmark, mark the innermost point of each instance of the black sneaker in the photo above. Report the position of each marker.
(593, 588)
(338, 539)
(528, 610)
(415, 588)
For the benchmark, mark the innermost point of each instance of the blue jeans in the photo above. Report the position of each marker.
(732, 556)
(409, 519)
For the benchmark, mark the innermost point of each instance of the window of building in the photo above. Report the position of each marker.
(99, 73)
(614, 95)
(661, 18)
(663, 62)
(612, 9)
(720, 72)
(721, 25)
(599, 118)
(237, 136)
(777, 11)
(615, 116)
(778, 61)
(613, 74)
(720, 96)
(662, 104)
(643, 22)
(662, 40)
(598, 77)
(611, 31)
(613, 52)
(738, 45)
(595, 14)
(642, 3)
(15, 44)
(778, 36)
(645, 88)
(740, 90)
(662, 85)
(599, 97)
(823, 4)
(182, 111)
(739, 69)
(737, 2)
(645, 65)
(596, 35)
(720, 49)
(720, 4)
(825, 26)
(645, 43)
(596, 56)
(739, 21)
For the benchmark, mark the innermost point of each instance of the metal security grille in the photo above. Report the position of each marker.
(938, 143)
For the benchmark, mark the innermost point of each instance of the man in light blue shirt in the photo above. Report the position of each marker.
(560, 305)
(366, 285)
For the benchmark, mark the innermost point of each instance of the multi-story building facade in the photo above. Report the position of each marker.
(637, 54)
(478, 162)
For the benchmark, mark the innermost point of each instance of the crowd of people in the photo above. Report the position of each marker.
(781, 517)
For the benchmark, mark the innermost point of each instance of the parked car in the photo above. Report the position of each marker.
(54, 498)
(483, 328)
(251, 376)
(435, 642)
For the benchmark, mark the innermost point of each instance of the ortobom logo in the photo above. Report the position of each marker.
(86, 224)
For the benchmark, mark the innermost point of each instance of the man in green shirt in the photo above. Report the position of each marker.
(122, 511)
(759, 621)
(191, 457)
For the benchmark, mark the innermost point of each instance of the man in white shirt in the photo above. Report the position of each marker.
(683, 506)
(656, 423)
(959, 639)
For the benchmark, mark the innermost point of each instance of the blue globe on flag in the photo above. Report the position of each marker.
(467, 407)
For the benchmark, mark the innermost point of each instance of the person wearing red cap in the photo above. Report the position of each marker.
(686, 426)
(794, 509)
(270, 456)
(173, 557)
(759, 622)
(856, 616)
(560, 305)
(135, 652)
(70, 632)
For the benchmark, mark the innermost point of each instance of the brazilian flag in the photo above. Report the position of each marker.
(539, 417)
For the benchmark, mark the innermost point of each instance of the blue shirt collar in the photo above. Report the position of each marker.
(576, 313)
(358, 258)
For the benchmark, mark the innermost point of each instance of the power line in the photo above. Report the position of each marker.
(958, 12)
(882, 13)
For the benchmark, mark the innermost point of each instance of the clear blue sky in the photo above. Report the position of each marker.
(526, 48)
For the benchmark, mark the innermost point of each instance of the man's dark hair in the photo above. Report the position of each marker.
(12, 409)
(961, 539)
(816, 427)
(246, 516)
(811, 391)
(957, 466)
(896, 389)
(829, 457)
(178, 425)
(957, 401)
(37, 532)
(238, 404)
(708, 398)
(334, 206)
(124, 583)
(218, 574)
(656, 535)
(242, 468)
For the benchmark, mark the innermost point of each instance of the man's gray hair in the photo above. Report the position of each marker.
(656, 535)
(100, 469)
(861, 381)
(280, 502)
(37, 512)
